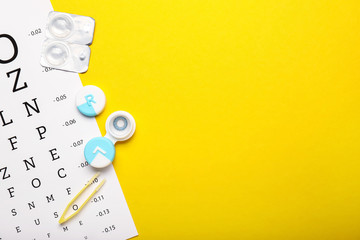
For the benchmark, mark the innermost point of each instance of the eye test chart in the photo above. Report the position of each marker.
(42, 139)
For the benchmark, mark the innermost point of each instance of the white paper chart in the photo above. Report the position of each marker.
(42, 138)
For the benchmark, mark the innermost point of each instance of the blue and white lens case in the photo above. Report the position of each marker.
(90, 101)
(100, 151)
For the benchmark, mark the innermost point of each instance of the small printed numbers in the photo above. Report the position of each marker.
(77, 143)
(83, 164)
(48, 69)
(35, 32)
(69, 123)
(103, 213)
(98, 198)
(109, 229)
(60, 98)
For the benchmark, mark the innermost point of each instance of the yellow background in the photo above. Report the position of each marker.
(247, 114)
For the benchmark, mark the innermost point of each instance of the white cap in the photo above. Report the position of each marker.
(90, 101)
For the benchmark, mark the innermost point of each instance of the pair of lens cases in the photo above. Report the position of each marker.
(120, 126)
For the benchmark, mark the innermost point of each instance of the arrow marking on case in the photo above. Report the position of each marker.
(98, 149)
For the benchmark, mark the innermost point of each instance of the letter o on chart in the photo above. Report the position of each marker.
(75, 207)
(13, 42)
(36, 183)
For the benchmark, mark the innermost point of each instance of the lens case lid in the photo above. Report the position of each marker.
(90, 100)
